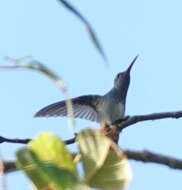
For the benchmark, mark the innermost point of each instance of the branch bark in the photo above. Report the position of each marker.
(127, 121)
(121, 124)
(142, 156)
(25, 141)
(150, 157)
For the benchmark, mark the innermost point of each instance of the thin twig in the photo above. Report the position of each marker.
(58, 81)
(25, 141)
(16, 140)
(88, 26)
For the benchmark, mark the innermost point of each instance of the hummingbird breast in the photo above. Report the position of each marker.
(110, 110)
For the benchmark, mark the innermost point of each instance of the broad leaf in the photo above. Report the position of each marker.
(26, 162)
(94, 148)
(51, 149)
(81, 186)
(104, 168)
(114, 174)
(43, 174)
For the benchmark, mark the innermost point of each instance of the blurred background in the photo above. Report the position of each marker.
(51, 34)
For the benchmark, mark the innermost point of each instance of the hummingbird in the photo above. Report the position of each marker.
(98, 108)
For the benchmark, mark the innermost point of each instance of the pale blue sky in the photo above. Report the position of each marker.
(49, 33)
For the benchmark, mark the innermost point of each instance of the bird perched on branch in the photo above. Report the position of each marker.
(104, 109)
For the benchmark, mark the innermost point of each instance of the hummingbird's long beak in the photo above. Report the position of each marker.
(129, 68)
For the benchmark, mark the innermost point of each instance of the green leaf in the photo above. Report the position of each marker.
(50, 148)
(25, 162)
(94, 148)
(104, 169)
(88, 26)
(81, 186)
(43, 174)
(114, 174)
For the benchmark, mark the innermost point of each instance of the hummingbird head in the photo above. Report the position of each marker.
(122, 80)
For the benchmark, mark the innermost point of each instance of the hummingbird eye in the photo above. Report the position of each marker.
(117, 76)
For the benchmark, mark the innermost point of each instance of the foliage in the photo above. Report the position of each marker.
(49, 165)
(88, 26)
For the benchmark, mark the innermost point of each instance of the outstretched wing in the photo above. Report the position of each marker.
(84, 107)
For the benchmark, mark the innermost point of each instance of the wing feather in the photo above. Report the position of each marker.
(84, 107)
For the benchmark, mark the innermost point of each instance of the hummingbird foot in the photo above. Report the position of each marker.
(112, 133)
(119, 121)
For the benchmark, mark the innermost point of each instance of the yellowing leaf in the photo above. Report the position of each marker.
(51, 149)
(81, 186)
(94, 148)
(25, 162)
(44, 175)
(104, 168)
(114, 174)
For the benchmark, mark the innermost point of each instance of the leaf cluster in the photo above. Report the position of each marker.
(50, 166)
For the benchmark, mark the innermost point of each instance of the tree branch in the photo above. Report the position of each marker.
(8, 166)
(121, 124)
(127, 121)
(25, 141)
(142, 156)
(150, 157)
(21, 141)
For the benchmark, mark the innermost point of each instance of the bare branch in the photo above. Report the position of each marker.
(143, 156)
(122, 123)
(25, 141)
(21, 141)
(9, 166)
(150, 157)
(127, 121)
